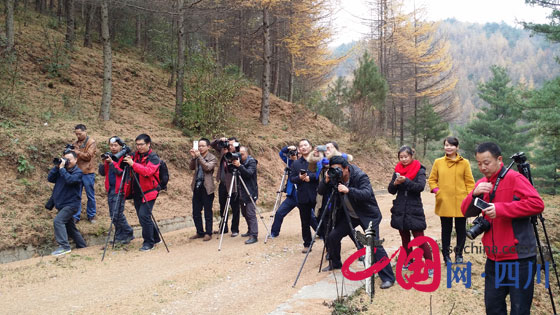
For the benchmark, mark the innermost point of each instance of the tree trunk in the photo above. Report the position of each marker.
(89, 24)
(241, 42)
(276, 77)
(59, 6)
(10, 24)
(51, 6)
(70, 23)
(291, 80)
(265, 104)
(105, 110)
(181, 43)
(138, 38)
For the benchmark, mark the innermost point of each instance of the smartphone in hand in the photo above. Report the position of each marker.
(195, 145)
(481, 204)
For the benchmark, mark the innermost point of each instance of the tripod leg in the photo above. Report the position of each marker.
(226, 212)
(543, 261)
(255, 205)
(159, 231)
(117, 202)
(312, 242)
(276, 203)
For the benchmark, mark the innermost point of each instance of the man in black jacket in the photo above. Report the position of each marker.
(247, 168)
(306, 183)
(67, 195)
(356, 201)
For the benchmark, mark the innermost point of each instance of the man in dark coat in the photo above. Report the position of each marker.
(247, 167)
(355, 192)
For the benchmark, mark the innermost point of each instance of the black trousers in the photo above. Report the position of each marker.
(234, 204)
(495, 292)
(460, 229)
(305, 217)
(144, 212)
(202, 200)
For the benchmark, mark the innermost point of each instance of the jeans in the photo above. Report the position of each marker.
(144, 211)
(202, 200)
(342, 229)
(285, 207)
(88, 182)
(234, 207)
(250, 214)
(65, 227)
(521, 299)
(123, 231)
(460, 228)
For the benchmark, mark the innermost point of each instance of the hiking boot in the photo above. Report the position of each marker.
(61, 251)
(207, 237)
(251, 240)
(146, 248)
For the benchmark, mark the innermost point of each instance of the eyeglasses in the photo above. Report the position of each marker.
(140, 144)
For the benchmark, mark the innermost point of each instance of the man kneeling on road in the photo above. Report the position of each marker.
(355, 192)
(66, 195)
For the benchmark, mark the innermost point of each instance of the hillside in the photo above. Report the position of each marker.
(46, 107)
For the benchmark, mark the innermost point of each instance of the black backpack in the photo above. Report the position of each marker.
(163, 175)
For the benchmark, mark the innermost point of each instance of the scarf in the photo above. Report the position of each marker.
(410, 170)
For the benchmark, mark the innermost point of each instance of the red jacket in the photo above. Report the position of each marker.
(511, 235)
(146, 167)
(104, 171)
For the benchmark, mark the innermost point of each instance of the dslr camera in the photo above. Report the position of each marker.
(292, 152)
(335, 175)
(230, 157)
(117, 156)
(480, 225)
(223, 144)
(67, 149)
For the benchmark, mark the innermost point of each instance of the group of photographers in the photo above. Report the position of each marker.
(320, 181)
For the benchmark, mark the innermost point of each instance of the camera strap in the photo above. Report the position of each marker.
(503, 172)
(83, 145)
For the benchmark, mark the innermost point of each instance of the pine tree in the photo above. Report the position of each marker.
(430, 126)
(500, 121)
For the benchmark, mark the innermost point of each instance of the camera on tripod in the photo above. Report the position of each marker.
(117, 156)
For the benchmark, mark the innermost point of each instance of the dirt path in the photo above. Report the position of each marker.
(194, 278)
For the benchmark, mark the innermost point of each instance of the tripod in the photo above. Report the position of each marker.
(330, 201)
(278, 197)
(525, 169)
(116, 210)
(234, 179)
(117, 203)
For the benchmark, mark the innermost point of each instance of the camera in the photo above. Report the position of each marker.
(292, 152)
(223, 144)
(230, 157)
(68, 148)
(302, 172)
(117, 156)
(322, 148)
(335, 175)
(519, 157)
(57, 161)
(480, 225)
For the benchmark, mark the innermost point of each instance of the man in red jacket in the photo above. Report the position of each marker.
(509, 242)
(145, 166)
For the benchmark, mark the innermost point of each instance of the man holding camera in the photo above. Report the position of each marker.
(85, 148)
(247, 167)
(355, 202)
(145, 169)
(203, 162)
(306, 182)
(224, 176)
(509, 237)
(66, 196)
(288, 154)
(113, 176)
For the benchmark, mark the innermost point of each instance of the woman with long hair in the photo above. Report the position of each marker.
(451, 180)
(407, 213)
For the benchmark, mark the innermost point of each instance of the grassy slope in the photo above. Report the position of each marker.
(47, 109)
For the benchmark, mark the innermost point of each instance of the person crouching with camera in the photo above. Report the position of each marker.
(508, 231)
(247, 167)
(113, 175)
(357, 202)
(66, 195)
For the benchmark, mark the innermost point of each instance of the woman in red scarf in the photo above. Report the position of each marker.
(407, 213)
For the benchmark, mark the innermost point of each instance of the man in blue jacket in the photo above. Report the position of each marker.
(67, 196)
(288, 154)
